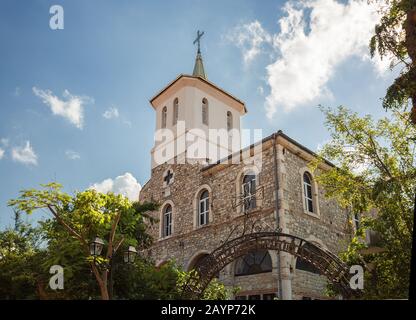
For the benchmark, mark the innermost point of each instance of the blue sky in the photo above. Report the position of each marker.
(115, 55)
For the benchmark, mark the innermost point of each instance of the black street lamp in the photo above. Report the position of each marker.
(96, 246)
(130, 254)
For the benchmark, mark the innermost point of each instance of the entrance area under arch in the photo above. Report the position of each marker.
(209, 265)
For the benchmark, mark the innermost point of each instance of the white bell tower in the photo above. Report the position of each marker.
(195, 119)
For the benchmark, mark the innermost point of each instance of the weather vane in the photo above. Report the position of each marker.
(198, 39)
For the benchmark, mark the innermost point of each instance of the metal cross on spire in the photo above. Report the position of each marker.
(198, 40)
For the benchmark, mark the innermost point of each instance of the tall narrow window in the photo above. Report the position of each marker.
(249, 191)
(205, 111)
(203, 208)
(164, 116)
(167, 221)
(229, 120)
(175, 111)
(307, 192)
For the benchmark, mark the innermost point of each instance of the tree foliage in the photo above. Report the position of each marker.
(375, 176)
(20, 256)
(395, 39)
(214, 291)
(65, 237)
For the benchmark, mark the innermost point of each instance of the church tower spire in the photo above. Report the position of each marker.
(199, 66)
(196, 121)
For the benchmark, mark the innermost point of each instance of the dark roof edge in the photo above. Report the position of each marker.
(272, 136)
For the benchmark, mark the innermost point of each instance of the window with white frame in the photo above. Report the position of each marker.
(175, 111)
(307, 192)
(249, 191)
(203, 208)
(167, 221)
(205, 111)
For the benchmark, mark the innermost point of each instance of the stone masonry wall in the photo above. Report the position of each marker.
(188, 242)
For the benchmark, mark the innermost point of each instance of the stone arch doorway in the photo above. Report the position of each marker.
(197, 259)
(323, 260)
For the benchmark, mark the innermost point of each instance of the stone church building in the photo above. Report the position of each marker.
(206, 199)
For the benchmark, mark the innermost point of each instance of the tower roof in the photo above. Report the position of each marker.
(199, 80)
(201, 83)
(199, 67)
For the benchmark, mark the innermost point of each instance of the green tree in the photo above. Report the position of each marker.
(75, 221)
(214, 291)
(395, 39)
(80, 218)
(20, 256)
(142, 280)
(375, 171)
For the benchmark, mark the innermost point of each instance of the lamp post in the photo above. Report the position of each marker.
(96, 247)
(130, 254)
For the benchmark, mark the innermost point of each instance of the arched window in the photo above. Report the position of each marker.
(175, 111)
(253, 263)
(203, 208)
(167, 221)
(249, 191)
(205, 111)
(164, 116)
(229, 120)
(307, 192)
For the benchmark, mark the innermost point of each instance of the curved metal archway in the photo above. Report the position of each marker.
(327, 263)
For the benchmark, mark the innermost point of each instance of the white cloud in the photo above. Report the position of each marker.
(71, 107)
(315, 37)
(358, 164)
(112, 112)
(125, 184)
(25, 155)
(250, 38)
(72, 155)
(5, 143)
